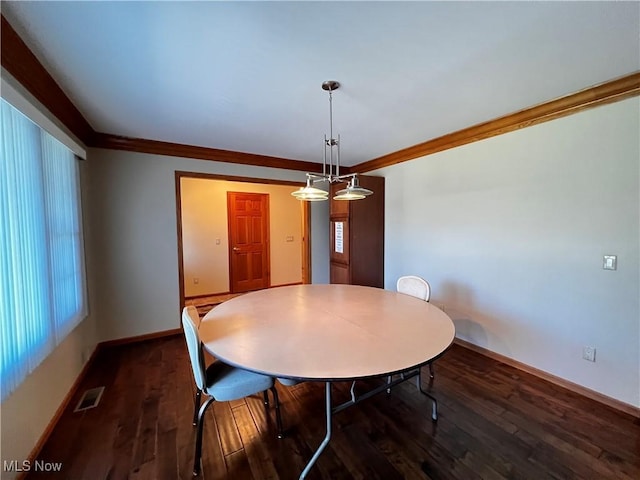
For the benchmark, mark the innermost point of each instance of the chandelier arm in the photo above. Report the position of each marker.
(343, 178)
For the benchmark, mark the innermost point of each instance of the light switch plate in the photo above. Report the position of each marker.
(610, 262)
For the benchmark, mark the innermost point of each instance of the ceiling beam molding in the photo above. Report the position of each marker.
(141, 145)
(602, 94)
(24, 66)
(20, 62)
(234, 178)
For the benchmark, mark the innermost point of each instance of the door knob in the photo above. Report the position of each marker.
(235, 249)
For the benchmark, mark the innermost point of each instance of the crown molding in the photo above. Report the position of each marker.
(24, 66)
(234, 178)
(602, 94)
(116, 142)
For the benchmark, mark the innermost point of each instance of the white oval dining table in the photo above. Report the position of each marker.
(328, 333)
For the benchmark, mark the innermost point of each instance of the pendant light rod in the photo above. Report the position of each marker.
(330, 86)
(353, 190)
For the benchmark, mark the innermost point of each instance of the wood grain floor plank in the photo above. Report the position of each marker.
(288, 455)
(238, 465)
(213, 461)
(405, 447)
(230, 440)
(167, 454)
(257, 454)
(495, 422)
(308, 422)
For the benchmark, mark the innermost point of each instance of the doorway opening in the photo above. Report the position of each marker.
(207, 205)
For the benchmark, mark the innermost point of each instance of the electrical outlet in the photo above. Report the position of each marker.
(589, 353)
(610, 262)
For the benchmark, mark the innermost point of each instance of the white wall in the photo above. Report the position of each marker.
(134, 204)
(320, 240)
(510, 232)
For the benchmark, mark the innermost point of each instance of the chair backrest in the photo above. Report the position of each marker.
(190, 320)
(414, 286)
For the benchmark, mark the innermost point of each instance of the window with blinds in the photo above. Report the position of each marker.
(42, 274)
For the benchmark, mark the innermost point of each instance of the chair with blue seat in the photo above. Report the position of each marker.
(219, 381)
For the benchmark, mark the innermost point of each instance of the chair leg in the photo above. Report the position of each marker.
(431, 375)
(389, 378)
(198, 453)
(266, 398)
(278, 416)
(197, 406)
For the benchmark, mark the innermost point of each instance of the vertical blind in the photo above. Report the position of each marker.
(42, 278)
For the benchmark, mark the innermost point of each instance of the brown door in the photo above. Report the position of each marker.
(248, 215)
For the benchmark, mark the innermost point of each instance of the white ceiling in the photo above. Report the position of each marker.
(246, 76)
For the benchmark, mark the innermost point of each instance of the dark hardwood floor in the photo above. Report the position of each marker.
(494, 422)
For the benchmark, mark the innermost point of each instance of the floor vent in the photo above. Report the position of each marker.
(90, 399)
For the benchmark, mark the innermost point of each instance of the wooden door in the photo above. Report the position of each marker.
(357, 236)
(248, 215)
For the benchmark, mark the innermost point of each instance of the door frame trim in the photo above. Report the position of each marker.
(306, 221)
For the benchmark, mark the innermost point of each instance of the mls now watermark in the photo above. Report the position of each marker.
(29, 466)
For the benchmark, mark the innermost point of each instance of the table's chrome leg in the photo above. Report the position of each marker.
(434, 402)
(327, 437)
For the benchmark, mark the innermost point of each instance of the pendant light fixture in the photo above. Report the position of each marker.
(331, 166)
(353, 191)
(310, 193)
